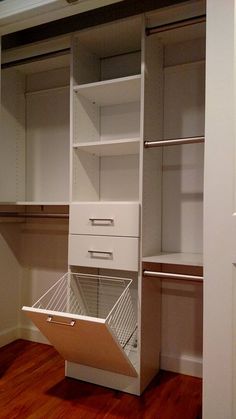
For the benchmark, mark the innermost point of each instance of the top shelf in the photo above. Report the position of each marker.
(112, 92)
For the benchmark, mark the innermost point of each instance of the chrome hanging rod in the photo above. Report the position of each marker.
(33, 58)
(31, 215)
(173, 141)
(175, 25)
(167, 275)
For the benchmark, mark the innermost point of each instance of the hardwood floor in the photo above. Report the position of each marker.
(32, 385)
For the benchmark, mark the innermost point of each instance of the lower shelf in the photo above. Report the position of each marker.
(190, 259)
(90, 320)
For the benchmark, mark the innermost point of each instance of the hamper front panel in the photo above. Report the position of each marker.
(109, 219)
(84, 342)
(104, 252)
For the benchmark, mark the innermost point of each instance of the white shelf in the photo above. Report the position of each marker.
(35, 203)
(112, 92)
(191, 259)
(110, 148)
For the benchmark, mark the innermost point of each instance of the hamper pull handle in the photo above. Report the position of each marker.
(108, 221)
(50, 320)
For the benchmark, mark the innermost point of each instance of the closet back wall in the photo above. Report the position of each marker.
(10, 281)
(44, 259)
(35, 132)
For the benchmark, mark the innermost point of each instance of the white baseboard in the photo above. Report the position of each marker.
(32, 334)
(8, 336)
(182, 364)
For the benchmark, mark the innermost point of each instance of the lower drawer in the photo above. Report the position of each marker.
(104, 252)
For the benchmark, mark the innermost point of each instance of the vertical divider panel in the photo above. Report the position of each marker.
(152, 158)
(152, 73)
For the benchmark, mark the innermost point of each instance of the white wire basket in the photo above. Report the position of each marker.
(99, 297)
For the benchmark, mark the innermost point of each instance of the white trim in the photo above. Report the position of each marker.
(182, 364)
(8, 335)
(16, 15)
(32, 334)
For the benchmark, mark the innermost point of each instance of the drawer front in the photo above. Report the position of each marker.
(107, 219)
(104, 252)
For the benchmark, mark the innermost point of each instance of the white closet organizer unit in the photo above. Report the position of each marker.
(133, 208)
(35, 128)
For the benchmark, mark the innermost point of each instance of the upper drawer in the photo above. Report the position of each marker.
(104, 218)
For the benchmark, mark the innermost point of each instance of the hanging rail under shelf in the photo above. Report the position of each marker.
(33, 58)
(168, 275)
(31, 215)
(174, 141)
(175, 25)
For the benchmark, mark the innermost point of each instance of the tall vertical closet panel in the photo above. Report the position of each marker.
(150, 289)
(219, 229)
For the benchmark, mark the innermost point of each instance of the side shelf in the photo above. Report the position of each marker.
(112, 92)
(110, 148)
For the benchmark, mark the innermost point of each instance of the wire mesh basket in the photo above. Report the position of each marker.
(99, 297)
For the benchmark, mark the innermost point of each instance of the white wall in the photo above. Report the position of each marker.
(10, 274)
(43, 261)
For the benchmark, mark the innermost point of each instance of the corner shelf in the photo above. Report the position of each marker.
(112, 92)
(110, 148)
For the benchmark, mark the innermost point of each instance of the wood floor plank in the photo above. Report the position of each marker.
(33, 386)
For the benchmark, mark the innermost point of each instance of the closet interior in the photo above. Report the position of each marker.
(102, 205)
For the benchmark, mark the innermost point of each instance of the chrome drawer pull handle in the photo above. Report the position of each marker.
(100, 252)
(107, 221)
(50, 320)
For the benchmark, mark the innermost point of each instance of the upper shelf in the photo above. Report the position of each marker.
(110, 148)
(112, 92)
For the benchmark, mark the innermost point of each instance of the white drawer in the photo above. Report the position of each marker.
(106, 219)
(104, 252)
